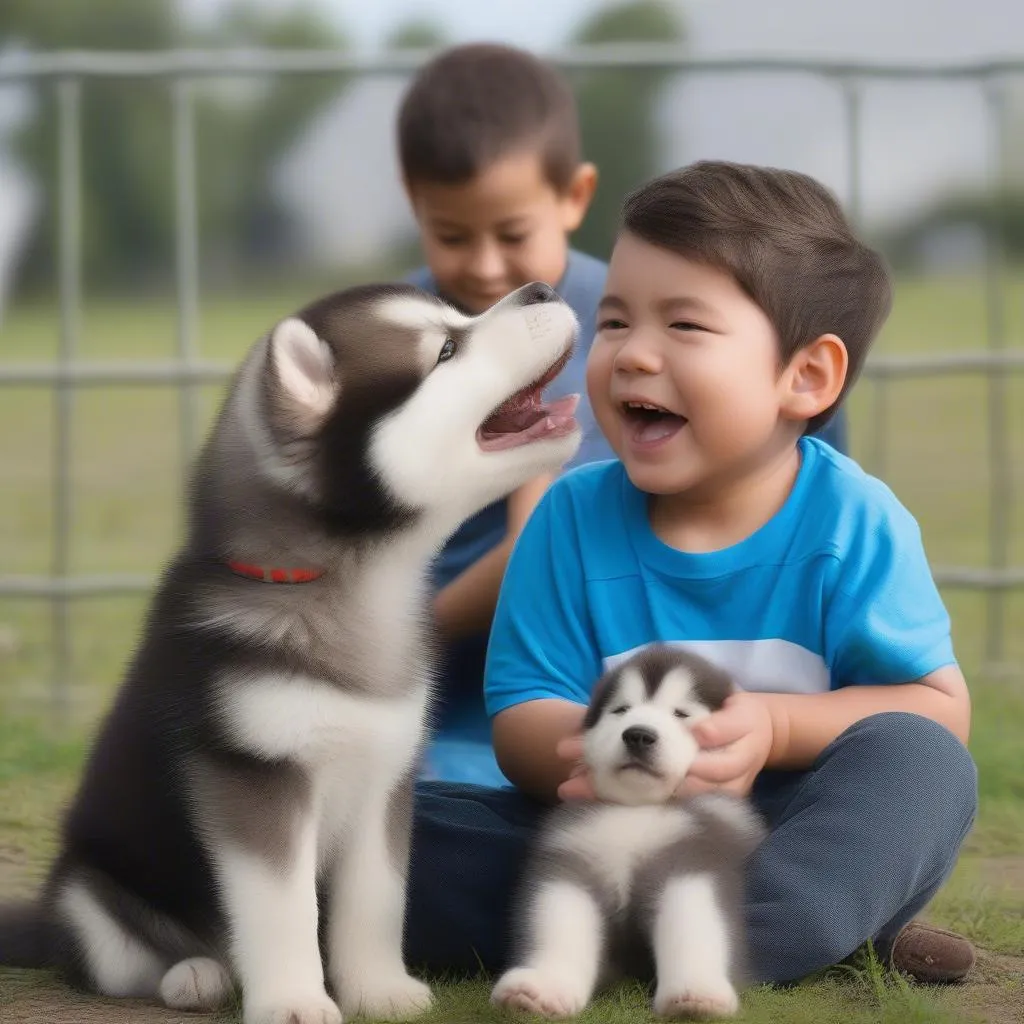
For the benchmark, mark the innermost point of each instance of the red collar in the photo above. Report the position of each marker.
(257, 572)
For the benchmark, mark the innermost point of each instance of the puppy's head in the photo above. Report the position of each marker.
(637, 741)
(382, 405)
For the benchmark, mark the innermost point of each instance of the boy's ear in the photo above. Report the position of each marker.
(577, 196)
(814, 378)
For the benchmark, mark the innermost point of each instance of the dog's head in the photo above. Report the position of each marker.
(637, 741)
(383, 405)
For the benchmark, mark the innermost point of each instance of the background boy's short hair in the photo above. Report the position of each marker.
(475, 104)
(784, 238)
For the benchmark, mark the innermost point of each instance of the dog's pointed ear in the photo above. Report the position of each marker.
(305, 370)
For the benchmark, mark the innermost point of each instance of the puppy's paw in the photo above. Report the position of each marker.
(384, 996)
(198, 983)
(540, 992)
(304, 1008)
(708, 999)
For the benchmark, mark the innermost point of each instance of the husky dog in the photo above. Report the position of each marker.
(267, 733)
(641, 873)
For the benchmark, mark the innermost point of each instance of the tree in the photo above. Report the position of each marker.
(617, 110)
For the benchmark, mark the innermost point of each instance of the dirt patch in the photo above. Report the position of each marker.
(1007, 871)
(994, 993)
(38, 997)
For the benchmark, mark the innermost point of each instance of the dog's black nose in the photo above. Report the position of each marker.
(638, 739)
(534, 294)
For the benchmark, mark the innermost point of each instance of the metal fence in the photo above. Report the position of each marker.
(68, 71)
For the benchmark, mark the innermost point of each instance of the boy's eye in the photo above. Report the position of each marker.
(611, 325)
(620, 710)
(512, 239)
(685, 325)
(451, 241)
(680, 713)
(447, 350)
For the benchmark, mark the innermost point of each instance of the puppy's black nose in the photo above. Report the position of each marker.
(638, 739)
(534, 294)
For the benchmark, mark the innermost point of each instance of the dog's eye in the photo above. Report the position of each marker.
(620, 710)
(447, 350)
(680, 713)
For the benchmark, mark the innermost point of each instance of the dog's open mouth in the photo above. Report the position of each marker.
(525, 417)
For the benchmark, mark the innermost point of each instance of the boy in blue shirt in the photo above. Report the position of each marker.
(489, 146)
(737, 313)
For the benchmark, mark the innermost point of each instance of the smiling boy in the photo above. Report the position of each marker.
(738, 311)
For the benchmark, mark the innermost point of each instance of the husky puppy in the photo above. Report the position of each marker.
(266, 735)
(640, 873)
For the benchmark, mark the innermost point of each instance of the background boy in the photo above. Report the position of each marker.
(738, 310)
(489, 145)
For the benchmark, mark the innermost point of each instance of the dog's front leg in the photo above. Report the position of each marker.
(367, 911)
(692, 951)
(269, 895)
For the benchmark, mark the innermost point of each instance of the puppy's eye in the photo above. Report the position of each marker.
(620, 710)
(680, 713)
(447, 350)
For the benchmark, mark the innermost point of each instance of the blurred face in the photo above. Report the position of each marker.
(684, 375)
(504, 228)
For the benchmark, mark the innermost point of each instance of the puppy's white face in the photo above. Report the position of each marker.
(383, 405)
(637, 742)
(476, 427)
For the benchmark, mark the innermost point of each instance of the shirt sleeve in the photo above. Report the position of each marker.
(541, 642)
(886, 616)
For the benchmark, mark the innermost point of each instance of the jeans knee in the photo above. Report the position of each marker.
(916, 755)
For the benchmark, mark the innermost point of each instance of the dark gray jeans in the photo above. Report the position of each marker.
(859, 844)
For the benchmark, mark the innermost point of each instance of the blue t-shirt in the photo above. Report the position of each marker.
(834, 590)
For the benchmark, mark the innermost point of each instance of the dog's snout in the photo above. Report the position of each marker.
(536, 293)
(639, 739)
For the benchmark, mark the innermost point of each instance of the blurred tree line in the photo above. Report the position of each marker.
(245, 126)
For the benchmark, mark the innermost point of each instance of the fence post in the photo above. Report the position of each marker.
(186, 261)
(999, 461)
(69, 169)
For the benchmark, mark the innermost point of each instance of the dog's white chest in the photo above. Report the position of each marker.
(614, 840)
(313, 722)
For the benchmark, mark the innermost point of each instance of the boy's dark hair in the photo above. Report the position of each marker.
(474, 104)
(784, 238)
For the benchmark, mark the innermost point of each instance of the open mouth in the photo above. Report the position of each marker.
(650, 424)
(525, 417)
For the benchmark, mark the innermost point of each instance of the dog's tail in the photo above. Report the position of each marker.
(28, 935)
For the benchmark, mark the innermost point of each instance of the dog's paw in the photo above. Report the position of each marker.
(306, 1008)
(380, 996)
(196, 984)
(539, 992)
(714, 999)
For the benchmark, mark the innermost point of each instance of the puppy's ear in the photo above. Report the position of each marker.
(305, 372)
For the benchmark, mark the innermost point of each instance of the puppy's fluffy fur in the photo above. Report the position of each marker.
(637, 875)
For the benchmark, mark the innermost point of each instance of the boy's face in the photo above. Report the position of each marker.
(502, 229)
(683, 339)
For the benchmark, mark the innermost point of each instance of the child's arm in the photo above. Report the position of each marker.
(466, 605)
(525, 740)
(789, 730)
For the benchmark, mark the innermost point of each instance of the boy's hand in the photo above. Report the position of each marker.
(577, 786)
(735, 744)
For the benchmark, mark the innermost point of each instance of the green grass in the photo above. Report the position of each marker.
(127, 467)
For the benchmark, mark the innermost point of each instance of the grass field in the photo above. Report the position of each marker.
(127, 470)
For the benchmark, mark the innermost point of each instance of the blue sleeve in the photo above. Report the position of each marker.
(886, 622)
(541, 641)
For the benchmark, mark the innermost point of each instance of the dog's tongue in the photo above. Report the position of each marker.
(524, 418)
